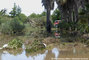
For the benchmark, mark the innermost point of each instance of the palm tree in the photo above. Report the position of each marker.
(69, 12)
(84, 17)
(49, 5)
(69, 9)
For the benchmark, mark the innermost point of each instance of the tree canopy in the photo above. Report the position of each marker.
(15, 11)
(68, 9)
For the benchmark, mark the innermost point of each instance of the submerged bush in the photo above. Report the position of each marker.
(15, 43)
(35, 46)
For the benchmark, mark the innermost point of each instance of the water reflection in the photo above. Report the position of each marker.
(23, 56)
(7, 56)
(46, 55)
(56, 52)
(74, 50)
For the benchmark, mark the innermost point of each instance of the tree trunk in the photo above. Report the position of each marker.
(48, 25)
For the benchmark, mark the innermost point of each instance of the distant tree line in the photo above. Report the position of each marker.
(16, 22)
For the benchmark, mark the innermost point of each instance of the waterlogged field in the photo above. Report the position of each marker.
(53, 51)
(30, 37)
(52, 54)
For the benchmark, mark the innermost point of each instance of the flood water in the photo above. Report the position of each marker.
(54, 54)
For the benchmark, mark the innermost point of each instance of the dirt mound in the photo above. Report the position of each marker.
(50, 40)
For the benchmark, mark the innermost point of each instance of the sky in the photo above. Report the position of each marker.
(27, 6)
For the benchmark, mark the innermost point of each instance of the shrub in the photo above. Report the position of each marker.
(35, 46)
(22, 18)
(4, 19)
(12, 27)
(16, 26)
(0, 22)
(64, 25)
(56, 15)
(6, 28)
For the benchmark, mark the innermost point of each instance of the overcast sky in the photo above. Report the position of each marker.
(27, 6)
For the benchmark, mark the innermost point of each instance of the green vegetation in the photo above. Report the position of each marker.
(15, 11)
(12, 27)
(35, 46)
(33, 15)
(15, 43)
(56, 15)
(74, 25)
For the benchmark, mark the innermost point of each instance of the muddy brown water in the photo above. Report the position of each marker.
(53, 54)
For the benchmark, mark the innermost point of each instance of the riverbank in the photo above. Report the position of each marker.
(4, 39)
